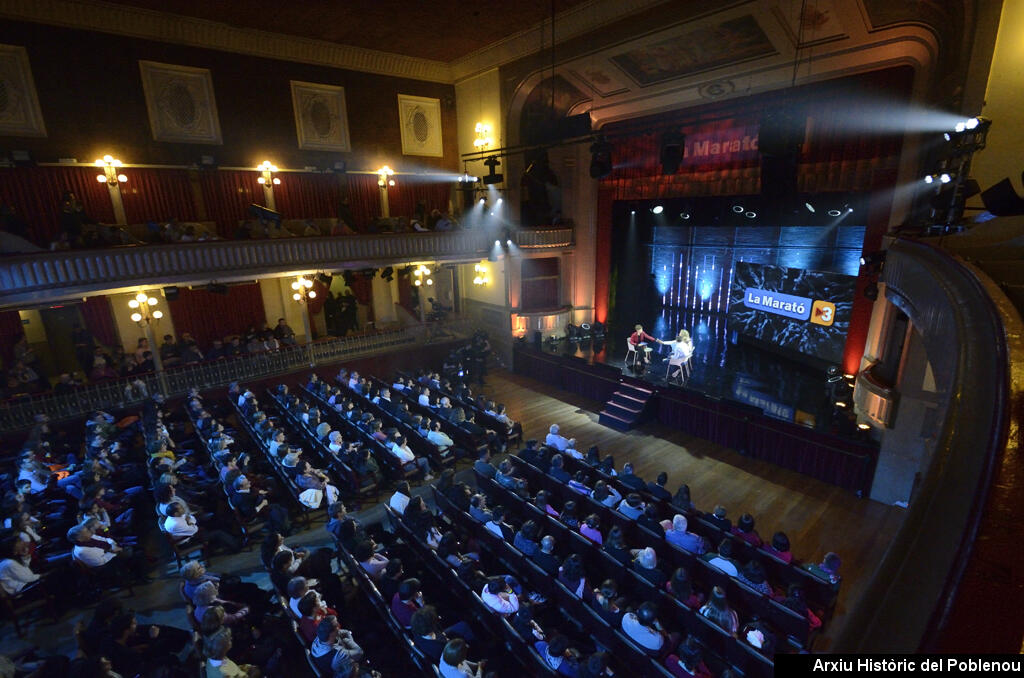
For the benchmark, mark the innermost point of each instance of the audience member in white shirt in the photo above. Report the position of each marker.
(498, 596)
(400, 499)
(554, 440)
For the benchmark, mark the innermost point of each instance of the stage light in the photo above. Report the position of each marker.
(509, 242)
(492, 177)
(946, 136)
(498, 201)
(841, 403)
(750, 215)
(834, 213)
(684, 215)
(738, 209)
(810, 207)
(929, 179)
(833, 374)
(632, 211)
(483, 200)
(600, 159)
(849, 209)
(945, 178)
(467, 178)
(597, 328)
(864, 427)
(657, 209)
(497, 243)
(971, 123)
(960, 127)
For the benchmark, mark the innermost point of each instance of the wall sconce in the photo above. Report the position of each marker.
(110, 175)
(483, 276)
(483, 137)
(422, 273)
(267, 178)
(385, 177)
(303, 290)
(144, 307)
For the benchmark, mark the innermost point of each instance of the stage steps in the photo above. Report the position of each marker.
(625, 409)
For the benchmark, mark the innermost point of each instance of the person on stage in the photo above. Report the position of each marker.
(639, 339)
(682, 350)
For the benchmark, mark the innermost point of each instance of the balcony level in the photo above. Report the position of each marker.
(48, 276)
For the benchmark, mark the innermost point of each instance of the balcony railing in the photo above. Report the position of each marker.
(20, 413)
(46, 276)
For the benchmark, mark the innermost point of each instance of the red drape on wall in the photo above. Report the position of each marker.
(208, 316)
(98, 318)
(408, 191)
(228, 194)
(35, 192)
(363, 199)
(158, 195)
(362, 290)
(308, 196)
(10, 332)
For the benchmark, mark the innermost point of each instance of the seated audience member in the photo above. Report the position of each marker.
(722, 559)
(507, 479)
(207, 597)
(334, 650)
(104, 556)
(606, 602)
(557, 471)
(373, 563)
(596, 666)
(407, 601)
(449, 550)
(795, 601)
(779, 547)
(681, 588)
(718, 518)
(545, 558)
(646, 565)
(568, 515)
(687, 662)
(827, 570)
(718, 611)
(643, 628)
(391, 580)
(591, 528)
(497, 525)
(759, 636)
(607, 466)
(406, 456)
(632, 506)
(752, 574)
(16, 577)
(454, 664)
(556, 653)
(578, 484)
(572, 575)
(615, 545)
(499, 596)
(657, 488)
(681, 500)
(676, 534)
(218, 665)
(605, 494)
(426, 631)
(555, 440)
(631, 480)
(312, 610)
(744, 529)
(184, 527)
(400, 499)
(483, 464)
(478, 509)
(529, 453)
(525, 540)
(649, 520)
(543, 502)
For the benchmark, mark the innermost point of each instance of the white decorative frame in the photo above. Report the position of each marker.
(20, 115)
(180, 103)
(321, 117)
(420, 121)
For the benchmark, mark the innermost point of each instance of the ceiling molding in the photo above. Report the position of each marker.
(569, 24)
(162, 27)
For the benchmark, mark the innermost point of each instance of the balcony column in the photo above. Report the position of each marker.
(384, 208)
(114, 190)
(307, 328)
(158, 365)
(268, 196)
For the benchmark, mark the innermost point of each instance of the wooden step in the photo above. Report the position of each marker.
(612, 421)
(628, 401)
(624, 413)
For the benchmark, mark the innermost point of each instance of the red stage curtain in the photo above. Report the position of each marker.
(35, 192)
(158, 195)
(98, 318)
(363, 200)
(407, 192)
(10, 332)
(362, 290)
(308, 196)
(228, 194)
(208, 316)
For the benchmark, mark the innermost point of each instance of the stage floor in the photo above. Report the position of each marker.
(724, 368)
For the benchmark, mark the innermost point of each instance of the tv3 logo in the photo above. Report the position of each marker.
(823, 313)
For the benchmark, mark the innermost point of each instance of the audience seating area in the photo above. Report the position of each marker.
(245, 470)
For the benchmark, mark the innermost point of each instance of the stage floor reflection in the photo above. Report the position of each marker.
(725, 368)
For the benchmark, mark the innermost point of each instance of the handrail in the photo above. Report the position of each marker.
(46, 276)
(20, 413)
(908, 599)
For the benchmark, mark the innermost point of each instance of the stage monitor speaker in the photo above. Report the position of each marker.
(537, 339)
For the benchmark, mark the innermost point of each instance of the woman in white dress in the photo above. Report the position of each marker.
(682, 351)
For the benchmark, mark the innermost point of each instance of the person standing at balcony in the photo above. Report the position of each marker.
(284, 333)
(73, 219)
